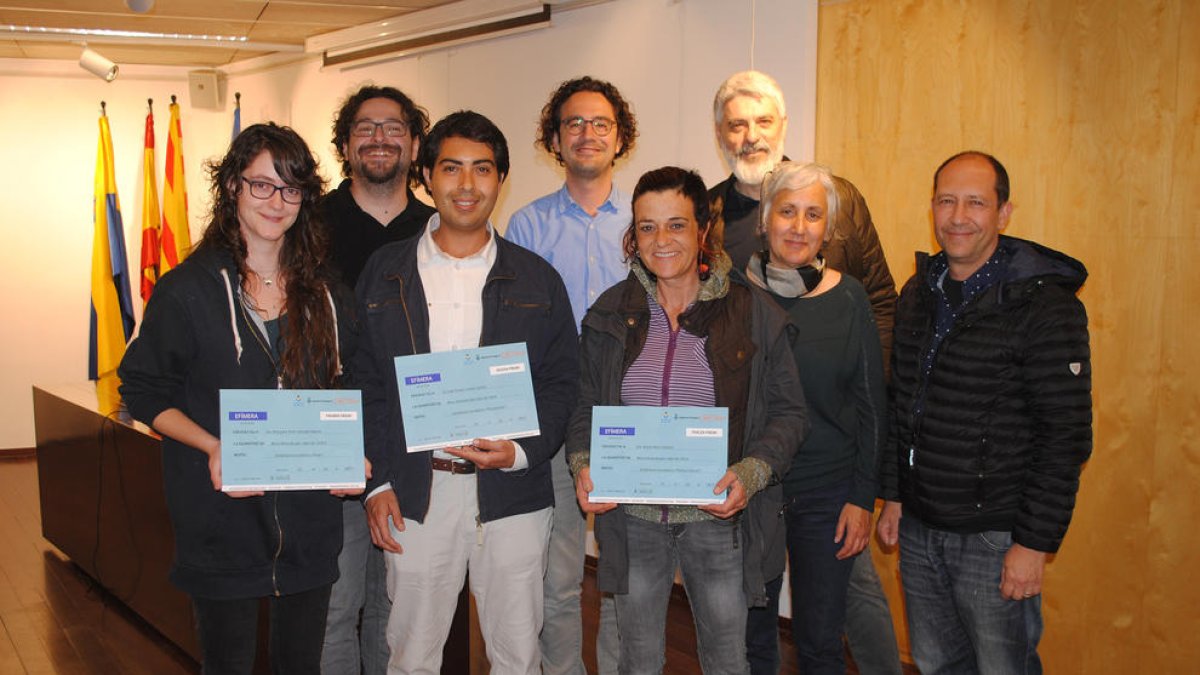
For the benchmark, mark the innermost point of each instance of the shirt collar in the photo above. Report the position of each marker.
(567, 203)
(429, 252)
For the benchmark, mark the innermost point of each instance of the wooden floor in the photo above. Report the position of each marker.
(53, 619)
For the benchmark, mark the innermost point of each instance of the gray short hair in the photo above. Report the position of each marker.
(750, 83)
(796, 176)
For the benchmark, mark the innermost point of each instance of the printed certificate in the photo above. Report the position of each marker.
(648, 455)
(451, 398)
(291, 439)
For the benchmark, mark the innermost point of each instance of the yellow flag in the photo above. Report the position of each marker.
(111, 321)
(175, 239)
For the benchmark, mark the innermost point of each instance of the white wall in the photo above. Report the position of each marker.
(666, 56)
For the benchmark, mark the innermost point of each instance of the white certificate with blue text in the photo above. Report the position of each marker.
(448, 399)
(291, 439)
(649, 455)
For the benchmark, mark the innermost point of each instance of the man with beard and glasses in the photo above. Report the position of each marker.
(586, 125)
(750, 120)
(377, 133)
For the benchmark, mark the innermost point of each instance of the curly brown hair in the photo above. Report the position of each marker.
(309, 358)
(552, 114)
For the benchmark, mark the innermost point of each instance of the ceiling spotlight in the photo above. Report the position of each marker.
(140, 6)
(97, 65)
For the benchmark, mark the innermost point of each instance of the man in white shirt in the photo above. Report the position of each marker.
(485, 507)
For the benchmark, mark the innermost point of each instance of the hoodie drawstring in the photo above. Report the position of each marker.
(337, 345)
(237, 336)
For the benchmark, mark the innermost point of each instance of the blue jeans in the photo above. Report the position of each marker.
(361, 589)
(228, 632)
(958, 622)
(818, 579)
(762, 632)
(869, 628)
(709, 557)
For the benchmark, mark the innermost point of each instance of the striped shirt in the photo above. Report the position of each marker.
(672, 370)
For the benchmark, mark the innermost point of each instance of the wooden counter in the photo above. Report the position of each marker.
(101, 491)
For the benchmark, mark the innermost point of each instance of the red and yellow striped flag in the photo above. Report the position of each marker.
(111, 321)
(150, 215)
(175, 239)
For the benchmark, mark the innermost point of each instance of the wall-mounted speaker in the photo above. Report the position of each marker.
(204, 89)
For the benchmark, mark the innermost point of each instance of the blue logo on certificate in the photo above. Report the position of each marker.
(428, 378)
(651, 455)
(617, 431)
(451, 398)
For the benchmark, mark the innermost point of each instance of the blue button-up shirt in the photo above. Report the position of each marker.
(585, 250)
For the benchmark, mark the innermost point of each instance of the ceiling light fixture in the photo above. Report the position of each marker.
(99, 35)
(97, 65)
(140, 6)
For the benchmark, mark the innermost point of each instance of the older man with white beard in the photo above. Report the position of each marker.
(750, 119)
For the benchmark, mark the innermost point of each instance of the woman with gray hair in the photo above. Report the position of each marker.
(831, 484)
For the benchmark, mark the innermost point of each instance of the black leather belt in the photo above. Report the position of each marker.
(452, 466)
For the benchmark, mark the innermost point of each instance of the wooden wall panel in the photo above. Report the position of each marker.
(1093, 105)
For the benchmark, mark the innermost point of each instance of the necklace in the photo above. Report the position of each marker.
(267, 280)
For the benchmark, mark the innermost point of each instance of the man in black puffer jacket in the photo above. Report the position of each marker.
(991, 423)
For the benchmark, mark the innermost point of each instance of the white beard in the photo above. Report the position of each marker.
(753, 173)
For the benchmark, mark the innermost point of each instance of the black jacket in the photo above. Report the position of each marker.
(185, 353)
(754, 375)
(993, 438)
(524, 300)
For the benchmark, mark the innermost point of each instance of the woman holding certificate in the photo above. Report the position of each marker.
(252, 307)
(681, 331)
(831, 484)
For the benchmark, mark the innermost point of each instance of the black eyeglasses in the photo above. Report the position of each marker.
(263, 190)
(391, 128)
(601, 125)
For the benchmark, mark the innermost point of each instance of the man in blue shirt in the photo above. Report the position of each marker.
(586, 125)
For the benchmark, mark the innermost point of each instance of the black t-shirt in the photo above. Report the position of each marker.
(354, 234)
(740, 214)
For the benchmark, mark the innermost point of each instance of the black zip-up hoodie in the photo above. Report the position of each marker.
(195, 340)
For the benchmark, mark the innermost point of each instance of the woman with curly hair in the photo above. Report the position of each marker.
(253, 307)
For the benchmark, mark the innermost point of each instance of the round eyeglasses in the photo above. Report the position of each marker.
(601, 125)
(391, 128)
(264, 190)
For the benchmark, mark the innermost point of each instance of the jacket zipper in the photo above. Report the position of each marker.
(278, 547)
(274, 497)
